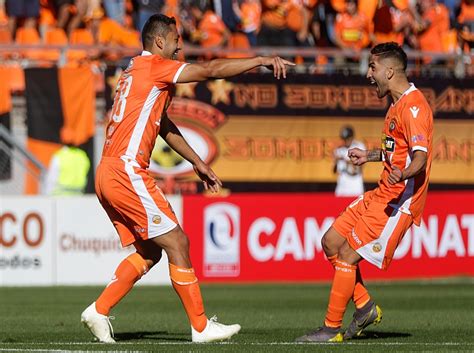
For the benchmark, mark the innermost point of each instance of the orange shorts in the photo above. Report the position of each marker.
(134, 203)
(373, 229)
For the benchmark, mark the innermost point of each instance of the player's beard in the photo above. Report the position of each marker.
(381, 90)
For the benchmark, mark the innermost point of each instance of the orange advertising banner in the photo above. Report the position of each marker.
(253, 129)
(300, 149)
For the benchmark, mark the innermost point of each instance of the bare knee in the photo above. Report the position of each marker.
(331, 242)
(348, 255)
(150, 252)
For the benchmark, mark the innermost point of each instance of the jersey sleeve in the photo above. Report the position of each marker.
(417, 118)
(165, 71)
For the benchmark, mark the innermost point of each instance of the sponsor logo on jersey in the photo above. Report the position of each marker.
(388, 144)
(417, 138)
(414, 111)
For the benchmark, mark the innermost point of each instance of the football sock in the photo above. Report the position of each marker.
(130, 270)
(341, 292)
(186, 285)
(361, 296)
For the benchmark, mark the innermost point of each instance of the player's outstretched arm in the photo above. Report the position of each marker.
(222, 68)
(417, 165)
(173, 137)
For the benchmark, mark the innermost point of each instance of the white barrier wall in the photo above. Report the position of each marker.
(63, 241)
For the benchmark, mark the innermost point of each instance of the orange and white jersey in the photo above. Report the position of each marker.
(408, 127)
(143, 93)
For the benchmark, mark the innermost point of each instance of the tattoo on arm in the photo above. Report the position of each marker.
(374, 155)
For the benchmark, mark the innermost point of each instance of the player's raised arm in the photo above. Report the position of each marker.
(222, 68)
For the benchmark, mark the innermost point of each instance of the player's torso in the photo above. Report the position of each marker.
(397, 150)
(136, 113)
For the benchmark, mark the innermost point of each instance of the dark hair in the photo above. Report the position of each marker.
(346, 132)
(390, 50)
(157, 24)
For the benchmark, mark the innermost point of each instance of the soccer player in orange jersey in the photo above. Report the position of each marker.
(138, 209)
(373, 225)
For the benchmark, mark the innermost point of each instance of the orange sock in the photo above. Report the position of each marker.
(361, 296)
(130, 270)
(186, 285)
(341, 292)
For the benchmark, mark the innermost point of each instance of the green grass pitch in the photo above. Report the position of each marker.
(418, 316)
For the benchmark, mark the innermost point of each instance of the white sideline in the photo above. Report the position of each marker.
(228, 343)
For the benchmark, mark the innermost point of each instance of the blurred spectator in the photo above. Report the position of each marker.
(351, 28)
(432, 25)
(249, 13)
(67, 172)
(281, 21)
(225, 10)
(211, 30)
(71, 13)
(115, 10)
(453, 7)
(390, 23)
(349, 176)
(146, 8)
(26, 10)
(322, 22)
(5, 33)
(63, 12)
(466, 25)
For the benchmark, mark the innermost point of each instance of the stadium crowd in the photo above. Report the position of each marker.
(427, 25)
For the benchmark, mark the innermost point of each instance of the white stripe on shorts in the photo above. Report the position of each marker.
(154, 229)
(374, 252)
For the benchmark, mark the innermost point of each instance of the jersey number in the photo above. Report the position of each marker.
(120, 102)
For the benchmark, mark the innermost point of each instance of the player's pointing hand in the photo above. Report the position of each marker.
(278, 65)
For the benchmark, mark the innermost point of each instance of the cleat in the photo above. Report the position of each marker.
(98, 324)
(322, 334)
(361, 321)
(214, 331)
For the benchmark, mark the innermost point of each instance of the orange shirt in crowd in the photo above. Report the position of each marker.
(280, 14)
(112, 33)
(431, 39)
(467, 12)
(5, 95)
(274, 13)
(212, 30)
(251, 15)
(352, 31)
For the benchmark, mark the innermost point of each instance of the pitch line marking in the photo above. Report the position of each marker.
(240, 344)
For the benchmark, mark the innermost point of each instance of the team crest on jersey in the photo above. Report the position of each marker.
(391, 126)
(377, 248)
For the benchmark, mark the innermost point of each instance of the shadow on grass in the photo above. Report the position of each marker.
(368, 335)
(150, 335)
